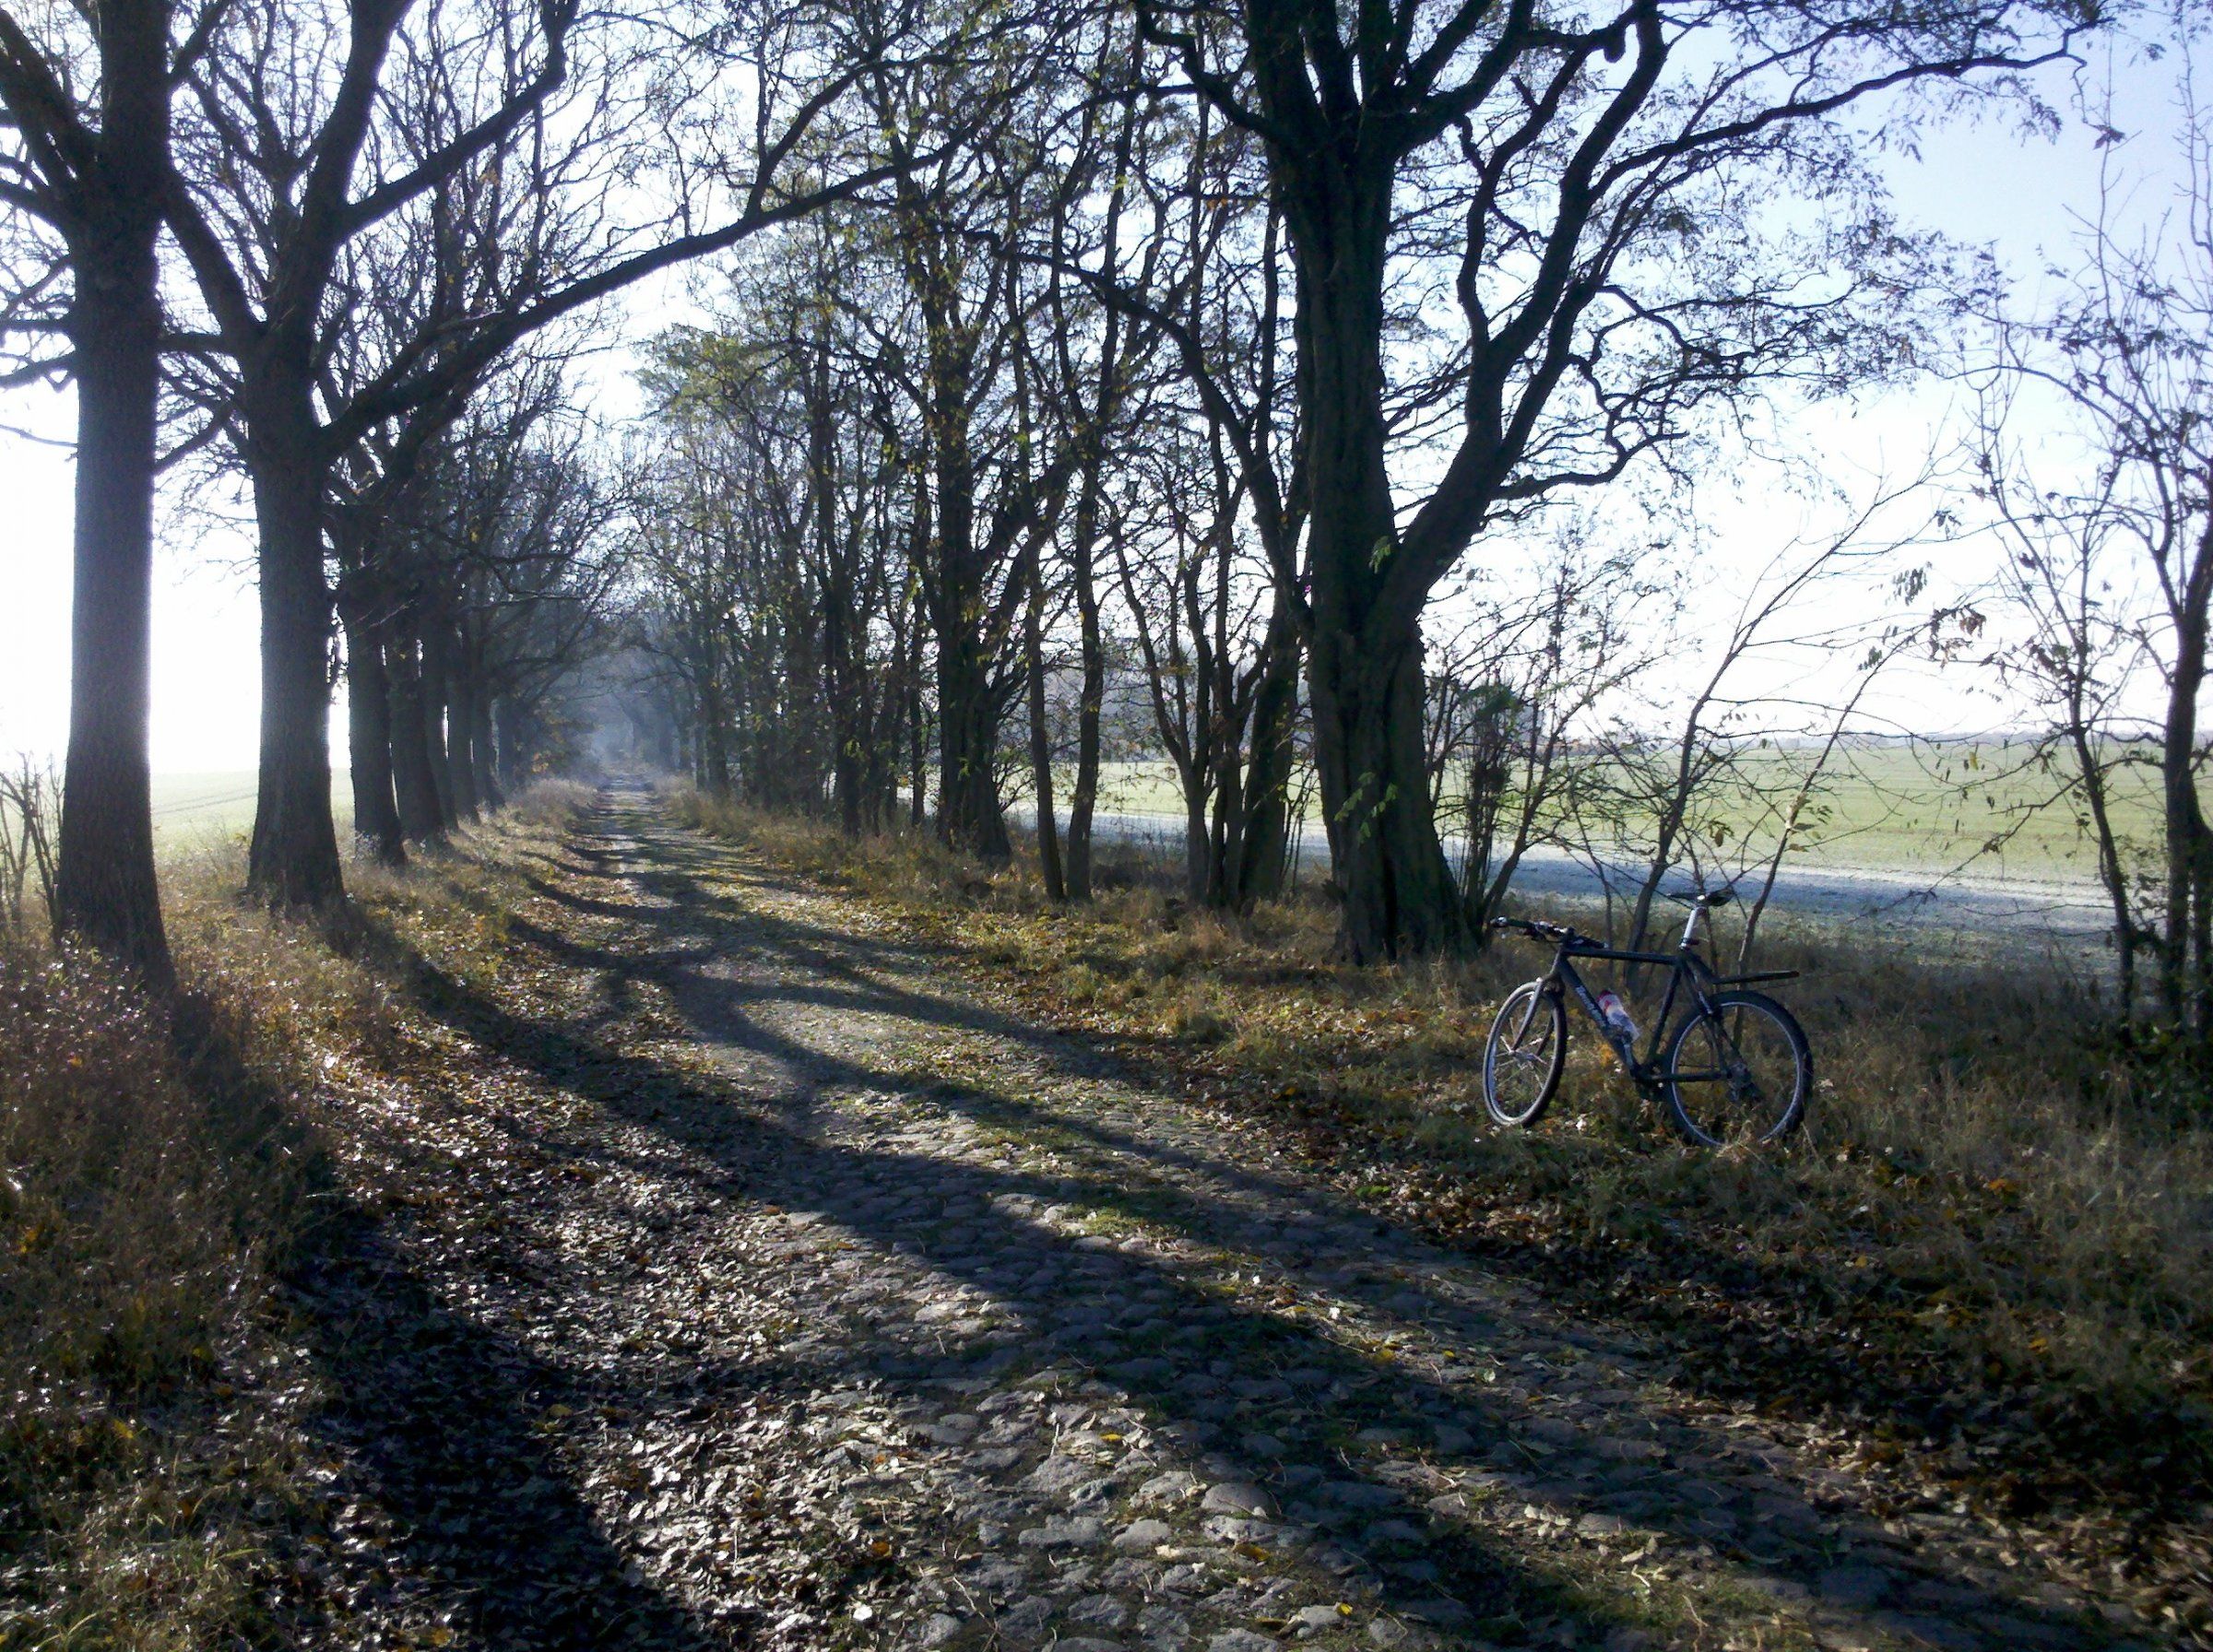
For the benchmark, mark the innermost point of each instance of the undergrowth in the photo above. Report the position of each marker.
(1993, 1218)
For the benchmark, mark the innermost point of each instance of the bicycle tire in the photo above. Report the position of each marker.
(1777, 1030)
(1516, 1021)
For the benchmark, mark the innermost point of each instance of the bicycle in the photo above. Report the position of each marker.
(1745, 1078)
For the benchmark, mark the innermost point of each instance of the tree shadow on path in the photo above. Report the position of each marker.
(1252, 1393)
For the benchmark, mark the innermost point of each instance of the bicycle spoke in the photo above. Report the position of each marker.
(1521, 1059)
(1735, 1075)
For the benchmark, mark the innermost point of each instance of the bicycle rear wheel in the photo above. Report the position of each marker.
(1739, 1073)
(1524, 1055)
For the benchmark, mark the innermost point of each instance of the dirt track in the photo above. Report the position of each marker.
(833, 1306)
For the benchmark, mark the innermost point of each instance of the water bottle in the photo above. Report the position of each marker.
(1618, 1021)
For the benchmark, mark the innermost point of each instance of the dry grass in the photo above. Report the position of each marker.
(157, 1170)
(149, 1178)
(1990, 1214)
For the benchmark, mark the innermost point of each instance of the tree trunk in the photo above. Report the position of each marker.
(369, 744)
(1388, 864)
(849, 710)
(2184, 977)
(105, 890)
(1091, 692)
(508, 724)
(293, 860)
(483, 744)
(1365, 659)
(1268, 824)
(714, 739)
(917, 710)
(969, 813)
(1041, 740)
(846, 777)
(412, 785)
(461, 725)
(1198, 842)
(918, 754)
(436, 692)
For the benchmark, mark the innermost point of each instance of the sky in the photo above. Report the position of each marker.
(1987, 184)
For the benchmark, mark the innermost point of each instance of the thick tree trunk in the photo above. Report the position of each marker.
(1388, 864)
(293, 860)
(1197, 843)
(369, 744)
(969, 813)
(1365, 660)
(105, 890)
(1268, 824)
(412, 785)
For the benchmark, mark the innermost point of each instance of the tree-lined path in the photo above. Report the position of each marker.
(828, 1303)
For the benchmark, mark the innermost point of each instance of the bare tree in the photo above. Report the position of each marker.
(988, 492)
(1515, 694)
(30, 806)
(1208, 289)
(2110, 558)
(1578, 186)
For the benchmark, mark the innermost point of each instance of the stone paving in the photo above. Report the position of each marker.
(882, 1317)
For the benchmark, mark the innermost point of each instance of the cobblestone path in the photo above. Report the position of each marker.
(880, 1317)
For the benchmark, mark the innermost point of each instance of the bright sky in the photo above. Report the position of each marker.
(1988, 184)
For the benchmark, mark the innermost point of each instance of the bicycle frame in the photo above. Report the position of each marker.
(1684, 964)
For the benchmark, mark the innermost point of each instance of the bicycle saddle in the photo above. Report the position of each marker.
(1691, 897)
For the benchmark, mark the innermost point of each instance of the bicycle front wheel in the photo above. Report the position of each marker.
(1523, 1057)
(1738, 1073)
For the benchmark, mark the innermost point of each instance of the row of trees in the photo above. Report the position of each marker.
(1179, 354)
(1253, 324)
(470, 587)
(325, 227)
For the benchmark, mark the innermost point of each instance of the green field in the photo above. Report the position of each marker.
(194, 811)
(1885, 808)
(1881, 808)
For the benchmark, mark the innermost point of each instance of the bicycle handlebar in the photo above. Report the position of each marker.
(1535, 928)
